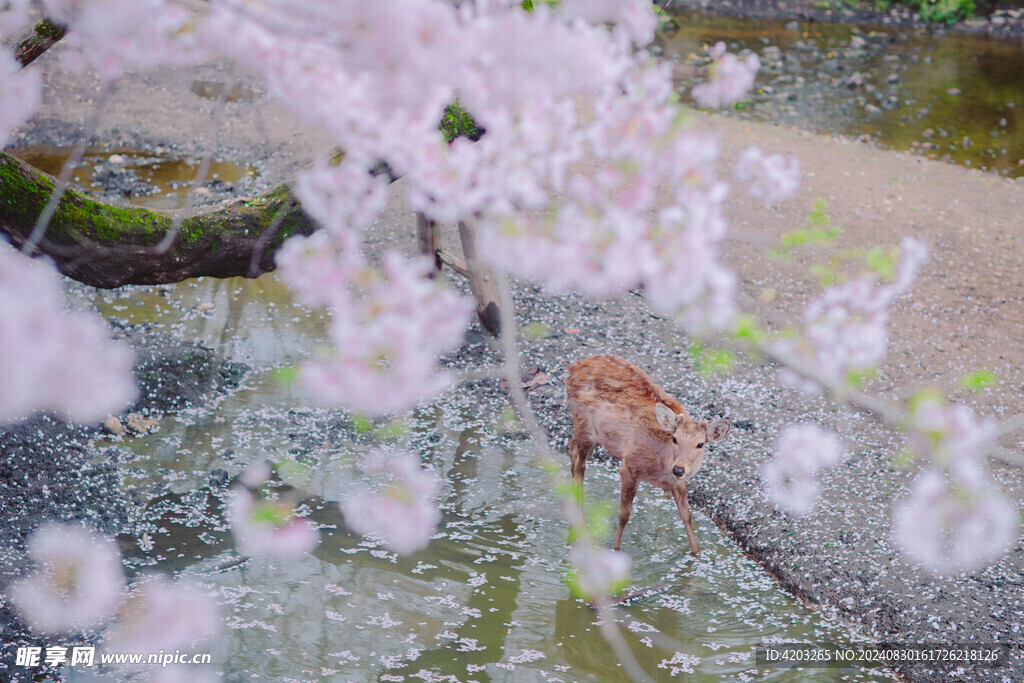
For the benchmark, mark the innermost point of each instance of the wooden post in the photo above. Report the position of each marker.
(429, 233)
(481, 281)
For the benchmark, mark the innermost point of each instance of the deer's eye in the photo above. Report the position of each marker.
(700, 445)
(674, 440)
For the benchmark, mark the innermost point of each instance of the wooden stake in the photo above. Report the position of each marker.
(481, 281)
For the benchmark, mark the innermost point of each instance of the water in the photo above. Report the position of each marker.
(154, 179)
(954, 97)
(485, 601)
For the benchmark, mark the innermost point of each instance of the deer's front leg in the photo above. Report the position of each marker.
(683, 503)
(626, 495)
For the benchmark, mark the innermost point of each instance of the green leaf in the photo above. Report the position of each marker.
(904, 460)
(882, 261)
(536, 330)
(293, 472)
(854, 378)
(361, 424)
(392, 431)
(715, 362)
(746, 329)
(286, 375)
(978, 380)
(826, 274)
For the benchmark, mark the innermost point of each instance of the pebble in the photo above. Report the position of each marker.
(138, 424)
(113, 425)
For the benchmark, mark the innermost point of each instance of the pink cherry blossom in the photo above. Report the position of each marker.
(846, 328)
(633, 18)
(403, 513)
(112, 36)
(268, 528)
(772, 178)
(14, 16)
(730, 80)
(341, 197)
(52, 359)
(598, 571)
(78, 581)
(955, 521)
(388, 328)
(20, 94)
(791, 476)
(163, 615)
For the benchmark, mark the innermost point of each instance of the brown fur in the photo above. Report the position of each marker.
(614, 404)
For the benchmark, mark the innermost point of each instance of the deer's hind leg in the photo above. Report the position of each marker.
(580, 448)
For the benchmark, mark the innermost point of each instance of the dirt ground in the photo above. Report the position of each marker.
(965, 312)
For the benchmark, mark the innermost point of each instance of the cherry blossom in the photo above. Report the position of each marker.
(955, 521)
(269, 528)
(773, 178)
(52, 359)
(112, 36)
(163, 615)
(730, 79)
(388, 328)
(598, 571)
(846, 328)
(77, 584)
(403, 513)
(14, 16)
(20, 93)
(633, 18)
(791, 476)
(341, 197)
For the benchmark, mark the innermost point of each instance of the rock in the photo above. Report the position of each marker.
(857, 43)
(892, 78)
(953, 92)
(113, 425)
(138, 424)
(854, 80)
(872, 109)
(793, 26)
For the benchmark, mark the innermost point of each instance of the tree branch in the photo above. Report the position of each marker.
(45, 35)
(105, 245)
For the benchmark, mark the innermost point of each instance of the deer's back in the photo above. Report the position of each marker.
(615, 389)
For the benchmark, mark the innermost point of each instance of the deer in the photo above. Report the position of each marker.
(617, 405)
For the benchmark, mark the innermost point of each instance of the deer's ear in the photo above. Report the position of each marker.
(667, 419)
(718, 429)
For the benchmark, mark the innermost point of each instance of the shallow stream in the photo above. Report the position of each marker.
(949, 96)
(486, 600)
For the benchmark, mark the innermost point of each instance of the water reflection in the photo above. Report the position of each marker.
(155, 179)
(954, 96)
(485, 601)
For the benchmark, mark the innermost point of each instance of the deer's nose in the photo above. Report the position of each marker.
(678, 471)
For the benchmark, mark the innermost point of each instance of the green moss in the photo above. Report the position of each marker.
(48, 29)
(457, 122)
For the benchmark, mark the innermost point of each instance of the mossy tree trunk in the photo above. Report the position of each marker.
(104, 245)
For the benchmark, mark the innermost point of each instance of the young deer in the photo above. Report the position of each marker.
(616, 405)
